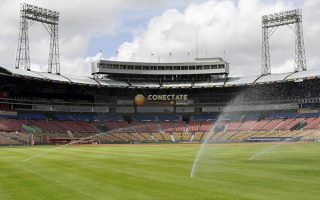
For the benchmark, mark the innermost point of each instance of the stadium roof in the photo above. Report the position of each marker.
(49, 76)
(239, 81)
(310, 74)
(105, 82)
(53, 77)
(209, 84)
(270, 78)
(111, 83)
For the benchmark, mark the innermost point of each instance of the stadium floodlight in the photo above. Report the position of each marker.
(50, 20)
(269, 25)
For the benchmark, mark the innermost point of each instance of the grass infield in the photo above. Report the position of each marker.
(289, 171)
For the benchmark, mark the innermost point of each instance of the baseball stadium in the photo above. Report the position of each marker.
(153, 130)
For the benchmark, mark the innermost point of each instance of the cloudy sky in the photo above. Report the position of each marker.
(137, 28)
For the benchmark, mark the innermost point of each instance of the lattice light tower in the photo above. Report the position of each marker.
(50, 20)
(270, 23)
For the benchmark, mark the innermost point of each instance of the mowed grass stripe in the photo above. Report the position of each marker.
(135, 168)
(117, 174)
(23, 184)
(160, 172)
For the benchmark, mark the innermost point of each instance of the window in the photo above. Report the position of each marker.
(145, 67)
(115, 67)
(214, 67)
(109, 66)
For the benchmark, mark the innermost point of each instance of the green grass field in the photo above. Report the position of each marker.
(290, 171)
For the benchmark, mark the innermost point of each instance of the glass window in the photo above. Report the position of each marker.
(214, 67)
(115, 67)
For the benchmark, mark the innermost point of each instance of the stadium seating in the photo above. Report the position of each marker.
(285, 123)
(247, 125)
(294, 123)
(164, 128)
(272, 125)
(206, 126)
(140, 127)
(194, 126)
(158, 136)
(179, 126)
(234, 126)
(10, 125)
(260, 125)
(314, 124)
(198, 136)
(167, 126)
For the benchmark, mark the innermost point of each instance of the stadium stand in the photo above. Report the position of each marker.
(272, 124)
(285, 123)
(247, 125)
(194, 126)
(234, 126)
(205, 126)
(260, 125)
(172, 128)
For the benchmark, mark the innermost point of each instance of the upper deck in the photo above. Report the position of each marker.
(212, 66)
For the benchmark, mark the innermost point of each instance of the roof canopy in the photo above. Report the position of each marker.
(232, 81)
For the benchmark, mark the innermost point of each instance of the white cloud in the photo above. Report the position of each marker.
(221, 26)
(80, 21)
(225, 26)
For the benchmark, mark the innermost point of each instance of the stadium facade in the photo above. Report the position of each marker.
(114, 91)
(44, 103)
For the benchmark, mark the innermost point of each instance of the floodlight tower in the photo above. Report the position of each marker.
(270, 23)
(50, 20)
